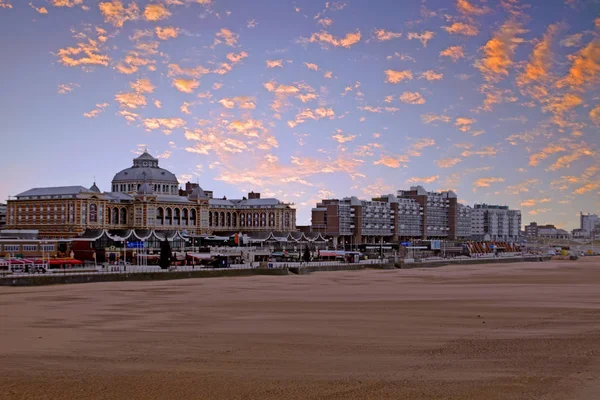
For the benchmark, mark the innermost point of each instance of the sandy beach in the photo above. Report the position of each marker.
(504, 331)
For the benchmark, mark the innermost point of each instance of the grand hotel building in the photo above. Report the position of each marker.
(143, 197)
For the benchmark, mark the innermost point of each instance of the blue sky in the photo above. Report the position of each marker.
(497, 100)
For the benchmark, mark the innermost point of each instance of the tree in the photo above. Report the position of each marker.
(306, 255)
(165, 254)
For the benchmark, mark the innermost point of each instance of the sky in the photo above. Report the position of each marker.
(498, 100)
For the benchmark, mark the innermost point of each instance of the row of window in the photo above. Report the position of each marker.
(27, 247)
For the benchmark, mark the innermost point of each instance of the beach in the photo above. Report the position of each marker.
(502, 331)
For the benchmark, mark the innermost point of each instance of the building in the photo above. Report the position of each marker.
(144, 197)
(535, 231)
(351, 221)
(531, 230)
(588, 222)
(2, 215)
(189, 188)
(439, 212)
(496, 223)
(464, 222)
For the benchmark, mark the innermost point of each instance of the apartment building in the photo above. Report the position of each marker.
(494, 222)
(2, 215)
(588, 222)
(464, 217)
(439, 219)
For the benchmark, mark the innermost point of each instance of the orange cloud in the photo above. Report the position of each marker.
(460, 28)
(84, 54)
(236, 58)
(499, 52)
(540, 61)
(585, 67)
(587, 188)
(226, 36)
(5, 4)
(325, 22)
(131, 100)
(397, 76)
(156, 12)
(94, 113)
(168, 32)
(314, 67)
(341, 139)
(430, 117)
(142, 86)
(566, 160)
(465, 7)
(486, 182)
(274, 63)
(546, 152)
(65, 88)
(196, 72)
(595, 115)
(243, 102)
(383, 35)
(116, 14)
(167, 124)
(392, 161)
(315, 114)
(425, 179)
(41, 10)
(431, 75)
(66, 3)
(448, 162)
(422, 37)
(484, 151)
(454, 52)
(185, 85)
(412, 98)
(326, 38)
(464, 124)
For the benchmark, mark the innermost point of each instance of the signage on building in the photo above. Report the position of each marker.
(135, 245)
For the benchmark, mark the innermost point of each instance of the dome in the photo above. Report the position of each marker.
(95, 188)
(145, 168)
(145, 189)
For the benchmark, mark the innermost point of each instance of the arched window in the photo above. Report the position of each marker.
(193, 217)
(93, 213)
(169, 216)
(177, 216)
(249, 219)
(242, 219)
(185, 216)
(271, 219)
(263, 219)
(123, 219)
(160, 216)
(216, 218)
(234, 220)
(210, 219)
(228, 220)
(222, 220)
(255, 222)
(115, 216)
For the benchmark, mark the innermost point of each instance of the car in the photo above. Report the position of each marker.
(17, 269)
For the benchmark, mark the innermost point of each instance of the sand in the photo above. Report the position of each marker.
(505, 331)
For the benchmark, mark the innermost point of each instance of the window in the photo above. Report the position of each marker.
(47, 247)
(29, 247)
(12, 247)
(93, 213)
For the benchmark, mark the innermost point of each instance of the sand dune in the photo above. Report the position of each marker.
(506, 331)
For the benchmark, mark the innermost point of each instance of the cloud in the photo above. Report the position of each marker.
(142, 86)
(431, 75)
(115, 13)
(94, 113)
(156, 12)
(499, 51)
(494, 95)
(341, 139)
(85, 54)
(41, 10)
(466, 7)
(325, 22)
(585, 67)
(587, 188)
(430, 117)
(167, 124)
(484, 151)
(243, 102)
(422, 37)
(314, 67)
(131, 100)
(236, 58)
(534, 202)
(486, 182)
(522, 187)
(307, 113)
(392, 161)
(448, 162)
(425, 179)
(540, 61)
(454, 52)
(398, 76)
(226, 36)
(464, 124)
(65, 88)
(168, 32)
(5, 4)
(546, 152)
(328, 75)
(460, 28)
(326, 38)
(274, 63)
(572, 40)
(66, 3)
(539, 211)
(566, 160)
(185, 85)
(383, 35)
(196, 72)
(595, 115)
(412, 98)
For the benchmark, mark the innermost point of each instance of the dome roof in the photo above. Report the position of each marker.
(145, 168)
(95, 188)
(145, 189)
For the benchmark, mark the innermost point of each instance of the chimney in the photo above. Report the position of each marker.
(253, 195)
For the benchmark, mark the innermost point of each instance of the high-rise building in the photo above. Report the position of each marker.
(439, 219)
(494, 222)
(464, 222)
(588, 222)
(2, 215)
